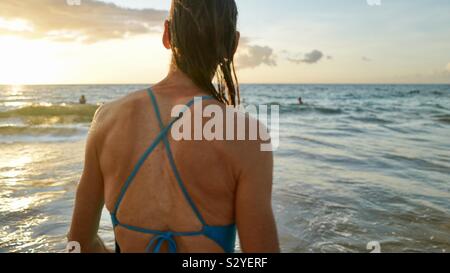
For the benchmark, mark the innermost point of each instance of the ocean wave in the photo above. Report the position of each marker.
(414, 92)
(375, 120)
(52, 114)
(437, 93)
(40, 139)
(23, 134)
(443, 119)
(313, 141)
(293, 108)
(39, 131)
(418, 163)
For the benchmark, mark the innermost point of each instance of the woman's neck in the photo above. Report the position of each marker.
(178, 80)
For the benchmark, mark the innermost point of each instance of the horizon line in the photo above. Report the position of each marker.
(249, 83)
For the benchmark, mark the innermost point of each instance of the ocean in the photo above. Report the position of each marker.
(356, 164)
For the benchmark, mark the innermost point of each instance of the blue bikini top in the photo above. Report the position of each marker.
(224, 236)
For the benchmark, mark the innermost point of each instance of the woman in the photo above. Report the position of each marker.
(177, 196)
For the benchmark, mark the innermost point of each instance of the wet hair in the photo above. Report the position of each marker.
(203, 40)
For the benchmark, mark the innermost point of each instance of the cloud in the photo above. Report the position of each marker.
(309, 58)
(448, 67)
(92, 21)
(251, 56)
(365, 59)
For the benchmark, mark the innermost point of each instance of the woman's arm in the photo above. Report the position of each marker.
(89, 199)
(254, 215)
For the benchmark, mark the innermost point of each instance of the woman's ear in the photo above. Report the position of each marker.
(238, 37)
(166, 36)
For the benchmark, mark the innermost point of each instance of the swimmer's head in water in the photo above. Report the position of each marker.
(203, 38)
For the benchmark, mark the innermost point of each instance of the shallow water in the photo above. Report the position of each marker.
(356, 163)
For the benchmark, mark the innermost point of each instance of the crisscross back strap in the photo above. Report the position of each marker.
(161, 137)
(170, 154)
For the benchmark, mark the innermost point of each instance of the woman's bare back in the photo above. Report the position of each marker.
(155, 200)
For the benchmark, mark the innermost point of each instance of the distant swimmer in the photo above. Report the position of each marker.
(300, 101)
(82, 99)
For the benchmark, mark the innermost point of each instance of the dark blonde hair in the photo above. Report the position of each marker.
(204, 40)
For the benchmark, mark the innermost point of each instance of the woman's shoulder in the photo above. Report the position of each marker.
(112, 114)
(120, 107)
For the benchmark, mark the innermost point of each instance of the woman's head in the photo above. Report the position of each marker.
(203, 37)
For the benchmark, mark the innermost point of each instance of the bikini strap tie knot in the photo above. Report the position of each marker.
(157, 242)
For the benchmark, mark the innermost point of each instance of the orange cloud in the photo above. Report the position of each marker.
(92, 21)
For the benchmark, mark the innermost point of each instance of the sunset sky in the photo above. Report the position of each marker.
(285, 41)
